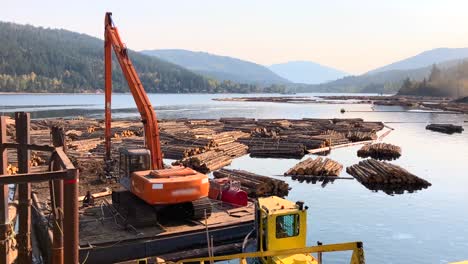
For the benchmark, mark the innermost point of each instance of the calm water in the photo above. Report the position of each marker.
(429, 226)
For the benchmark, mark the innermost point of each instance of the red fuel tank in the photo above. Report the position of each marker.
(234, 196)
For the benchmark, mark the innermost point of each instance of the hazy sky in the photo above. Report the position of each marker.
(351, 35)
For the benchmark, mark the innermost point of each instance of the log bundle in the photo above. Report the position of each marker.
(215, 158)
(255, 185)
(445, 128)
(380, 151)
(316, 167)
(390, 178)
(206, 162)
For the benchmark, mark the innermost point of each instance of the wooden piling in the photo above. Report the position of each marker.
(23, 237)
(58, 140)
(4, 217)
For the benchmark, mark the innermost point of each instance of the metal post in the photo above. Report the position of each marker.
(70, 223)
(4, 217)
(22, 121)
(108, 92)
(58, 140)
(319, 254)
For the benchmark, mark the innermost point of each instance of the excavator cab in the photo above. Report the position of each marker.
(131, 160)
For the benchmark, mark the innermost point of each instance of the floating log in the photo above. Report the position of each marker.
(316, 167)
(380, 151)
(390, 178)
(445, 128)
(255, 185)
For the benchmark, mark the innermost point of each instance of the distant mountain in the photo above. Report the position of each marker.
(221, 68)
(306, 72)
(425, 58)
(389, 81)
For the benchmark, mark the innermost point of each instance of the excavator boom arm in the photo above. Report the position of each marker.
(113, 41)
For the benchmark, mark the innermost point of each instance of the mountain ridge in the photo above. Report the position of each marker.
(389, 81)
(38, 59)
(219, 67)
(425, 58)
(307, 72)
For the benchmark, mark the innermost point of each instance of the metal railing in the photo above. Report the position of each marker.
(356, 258)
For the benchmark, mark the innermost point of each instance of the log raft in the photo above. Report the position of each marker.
(379, 175)
(222, 140)
(316, 167)
(255, 185)
(380, 151)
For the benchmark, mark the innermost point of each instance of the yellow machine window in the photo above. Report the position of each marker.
(287, 225)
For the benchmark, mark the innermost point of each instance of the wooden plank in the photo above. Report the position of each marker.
(22, 178)
(30, 147)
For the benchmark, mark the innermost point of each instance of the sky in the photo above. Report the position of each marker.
(351, 35)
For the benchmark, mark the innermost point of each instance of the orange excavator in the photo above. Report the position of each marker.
(141, 170)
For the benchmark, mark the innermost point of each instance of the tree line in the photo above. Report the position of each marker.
(449, 82)
(35, 59)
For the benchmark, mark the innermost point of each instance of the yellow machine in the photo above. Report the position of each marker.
(281, 238)
(282, 226)
(281, 230)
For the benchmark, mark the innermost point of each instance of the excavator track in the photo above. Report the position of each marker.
(200, 207)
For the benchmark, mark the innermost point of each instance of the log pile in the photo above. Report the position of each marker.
(380, 175)
(332, 138)
(206, 162)
(278, 150)
(380, 151)
(356, 136)
(36, 160)
(309, 142)
(316, 167)
(12, 170)
(255, 185)
(233, 150)
(187, 140)
(445, 128)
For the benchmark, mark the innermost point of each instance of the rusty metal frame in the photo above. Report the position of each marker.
(64, 179)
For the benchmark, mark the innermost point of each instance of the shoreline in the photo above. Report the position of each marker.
(102, 93)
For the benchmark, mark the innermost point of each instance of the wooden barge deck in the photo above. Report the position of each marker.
(103, 239)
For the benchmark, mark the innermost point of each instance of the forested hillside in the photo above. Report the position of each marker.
(389, 81)
(450, 82)
(425, 59)
(34, 59)
(221, 68)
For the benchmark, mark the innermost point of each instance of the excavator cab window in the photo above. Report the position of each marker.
(139, 163)
(133, 160)
(287, 225)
